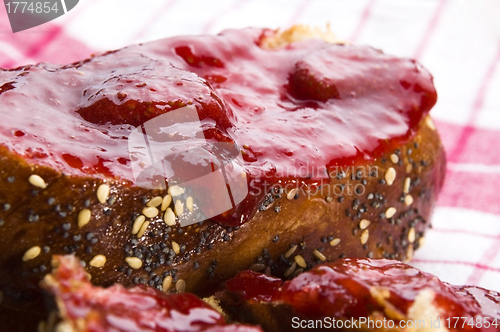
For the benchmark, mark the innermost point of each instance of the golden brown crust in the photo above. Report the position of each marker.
(48, 218)
(314, 223)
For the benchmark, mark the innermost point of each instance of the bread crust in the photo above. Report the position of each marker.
(321, 224)
(310, 223)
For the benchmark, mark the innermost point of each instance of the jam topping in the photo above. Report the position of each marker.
(144, 88)
(294, 111)
(354, 288)
(138, 309)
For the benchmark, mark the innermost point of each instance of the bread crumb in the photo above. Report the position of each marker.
(214, 303)
(296, 33)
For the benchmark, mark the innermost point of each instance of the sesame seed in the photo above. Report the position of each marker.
(406, 187)
(409, 253)
(155, 201)
(430, 123)
(175, 191)
(150, 212)
(409, 168)
(138, 224)
(190, 204)
(176, 247)
(300, 261)
(297, 272)
(166, 202)
(98, 261)
(142, 230)
(364, 236)
(63, 327)
(103, 193)
(291, 194)
(169, 217)
(390, 176)
(364, 223)
(319, 255)
(334, 242)
(408, 200)
(290, 251)
(134, 262)
(84, 217)
(390, 212)
(411, 235)
(37, 181)
(167, 282)
(328, 199)
(257, 267)
(290, 270)
(31, 253)
(394, 158)
(180, 286)
(179, 207)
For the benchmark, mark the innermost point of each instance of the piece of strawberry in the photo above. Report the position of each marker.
(128, 89)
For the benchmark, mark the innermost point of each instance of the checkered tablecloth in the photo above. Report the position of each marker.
(457, 40)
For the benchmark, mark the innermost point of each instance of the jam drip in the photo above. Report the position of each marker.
(294, 111)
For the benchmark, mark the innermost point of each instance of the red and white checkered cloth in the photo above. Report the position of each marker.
(458, 41)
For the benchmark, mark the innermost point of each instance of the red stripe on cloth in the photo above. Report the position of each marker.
(481, 146)
(488, 256)
(479, 266)
(299, 12)
(41, 43)
(6, 61)
(469, 130)
(430, 30)
(365, 15)
(460, 231)
(228, 10)
(36, 47)
(474, 191)
(156, 17)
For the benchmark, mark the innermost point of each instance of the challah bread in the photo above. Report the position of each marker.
(331, 145)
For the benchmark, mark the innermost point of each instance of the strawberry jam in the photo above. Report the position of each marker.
(136, 309)
(294, 111)
(355, 288)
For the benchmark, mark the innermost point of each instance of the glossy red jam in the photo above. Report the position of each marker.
(136, 309)
(345, 289)
(293, 111)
